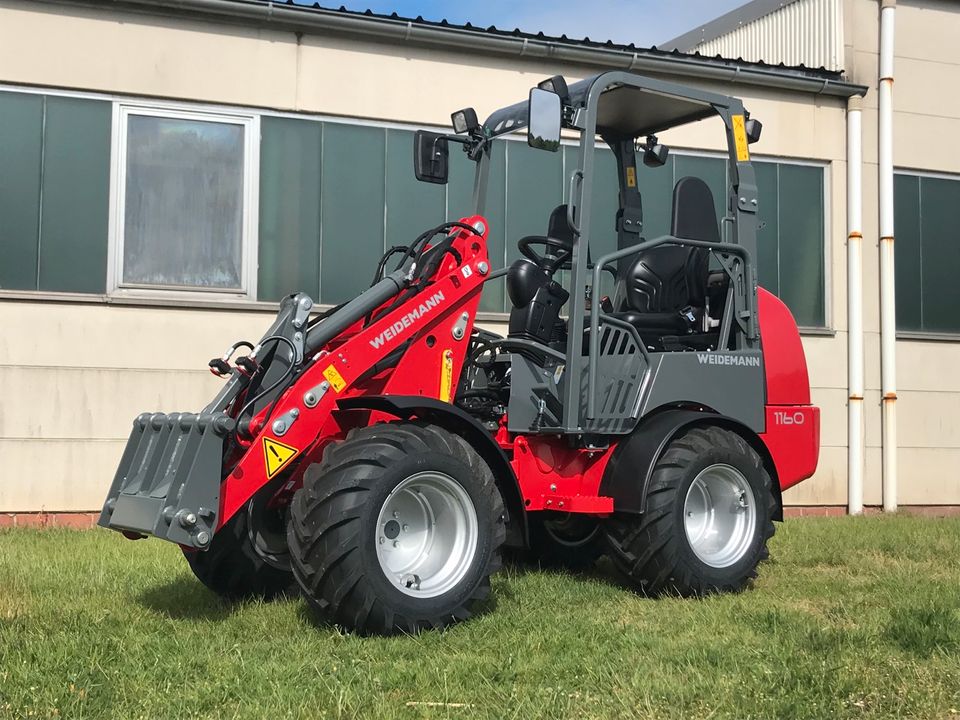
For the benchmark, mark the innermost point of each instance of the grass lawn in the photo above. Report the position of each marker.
(853, 617)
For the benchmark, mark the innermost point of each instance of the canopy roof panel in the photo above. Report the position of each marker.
(629, 105)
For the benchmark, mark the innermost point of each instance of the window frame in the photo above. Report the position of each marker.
(937, 336)
(249, 227)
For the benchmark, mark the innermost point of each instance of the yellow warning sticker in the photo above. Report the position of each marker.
(631, 176)
(276, 455)
(335, 379)
(740, 138)
(446, 376)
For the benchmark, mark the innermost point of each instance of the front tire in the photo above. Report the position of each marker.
(707, 518)
(246, 558)
(398, 529)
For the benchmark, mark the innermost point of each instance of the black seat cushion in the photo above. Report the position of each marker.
(659, 284)
(670, 323)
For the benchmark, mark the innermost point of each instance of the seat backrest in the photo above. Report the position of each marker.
(558, 227)
(669, 278)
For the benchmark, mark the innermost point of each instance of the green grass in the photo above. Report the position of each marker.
(853, 617)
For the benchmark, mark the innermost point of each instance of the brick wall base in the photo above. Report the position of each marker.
(76, 520)
(83, 520)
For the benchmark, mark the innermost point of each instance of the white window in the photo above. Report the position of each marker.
(184, 202)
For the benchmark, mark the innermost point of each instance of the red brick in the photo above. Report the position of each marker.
(7, 520)
(77, 521)
(31, 519)
(931, 510)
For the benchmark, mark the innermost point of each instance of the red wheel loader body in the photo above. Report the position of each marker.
(584, 414)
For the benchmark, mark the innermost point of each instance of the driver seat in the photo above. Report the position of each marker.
(662, 291)
(536, 298)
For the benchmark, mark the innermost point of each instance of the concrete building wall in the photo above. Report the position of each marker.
(926, 121)
(76, 371)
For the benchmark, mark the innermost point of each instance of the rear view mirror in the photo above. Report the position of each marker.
(431, 157)
(544, 114)
(654, 153)
(753, 129)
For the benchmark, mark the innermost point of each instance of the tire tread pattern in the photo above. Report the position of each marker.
(645, 548)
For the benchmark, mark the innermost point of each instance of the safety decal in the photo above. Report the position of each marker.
(446, 376)
(276, 456)
(740, 138)
(335, 379)
(631, 176)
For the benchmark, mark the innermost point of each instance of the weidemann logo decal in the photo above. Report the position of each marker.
(407, 320)
(719, 359)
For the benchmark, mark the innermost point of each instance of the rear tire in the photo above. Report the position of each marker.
(707, 518)
(244, 559)
(397, 530)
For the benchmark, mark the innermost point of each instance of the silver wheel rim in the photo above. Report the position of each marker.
(426, 535)
(720, 515)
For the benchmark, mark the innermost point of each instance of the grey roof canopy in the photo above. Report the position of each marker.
(623, 109)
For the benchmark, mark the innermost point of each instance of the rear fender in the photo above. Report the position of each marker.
(455, 420)
(628, 475)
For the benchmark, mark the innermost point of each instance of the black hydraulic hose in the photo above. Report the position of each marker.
(378, 275)
(276, 384)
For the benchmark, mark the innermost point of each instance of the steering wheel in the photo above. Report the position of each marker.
(549, 261)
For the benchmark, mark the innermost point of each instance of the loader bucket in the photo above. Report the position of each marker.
(168, 481)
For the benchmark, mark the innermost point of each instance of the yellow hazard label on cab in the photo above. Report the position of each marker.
(631, 176)
(335, 379)
(740, 138)
(276, 456)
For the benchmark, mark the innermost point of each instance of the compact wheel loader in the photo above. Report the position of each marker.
(379, 455)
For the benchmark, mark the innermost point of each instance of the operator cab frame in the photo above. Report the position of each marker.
(666, 298)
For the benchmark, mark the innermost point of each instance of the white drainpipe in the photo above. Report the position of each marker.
(855, 459)
(888, 322)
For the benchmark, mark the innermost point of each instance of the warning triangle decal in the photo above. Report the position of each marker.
(277, 456)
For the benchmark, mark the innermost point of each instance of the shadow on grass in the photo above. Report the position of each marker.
(312, 619)
(186, 599)
(517, 564)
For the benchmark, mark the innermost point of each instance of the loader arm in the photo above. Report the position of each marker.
(182, 476)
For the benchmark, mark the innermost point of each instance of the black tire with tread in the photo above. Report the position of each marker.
(233, 569)
(651, 550)
(333, 520)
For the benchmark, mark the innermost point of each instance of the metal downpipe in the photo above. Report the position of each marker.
(855, 434)
(888, 307)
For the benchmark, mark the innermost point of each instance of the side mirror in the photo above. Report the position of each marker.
(753, 129)
(431, 157)
(654, 153)
(544, 114)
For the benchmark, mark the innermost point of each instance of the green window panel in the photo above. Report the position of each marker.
(289, 249)
(75, 207)
(656, 193)
(460, 204)
(801, 245)
(939, 258)
(927, 263)
(768, 226)
(21, 130)
(412, 207)
(353, 162)
(907, 263)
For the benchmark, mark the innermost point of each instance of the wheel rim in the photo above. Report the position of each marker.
(720, 515)
(426, 535)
